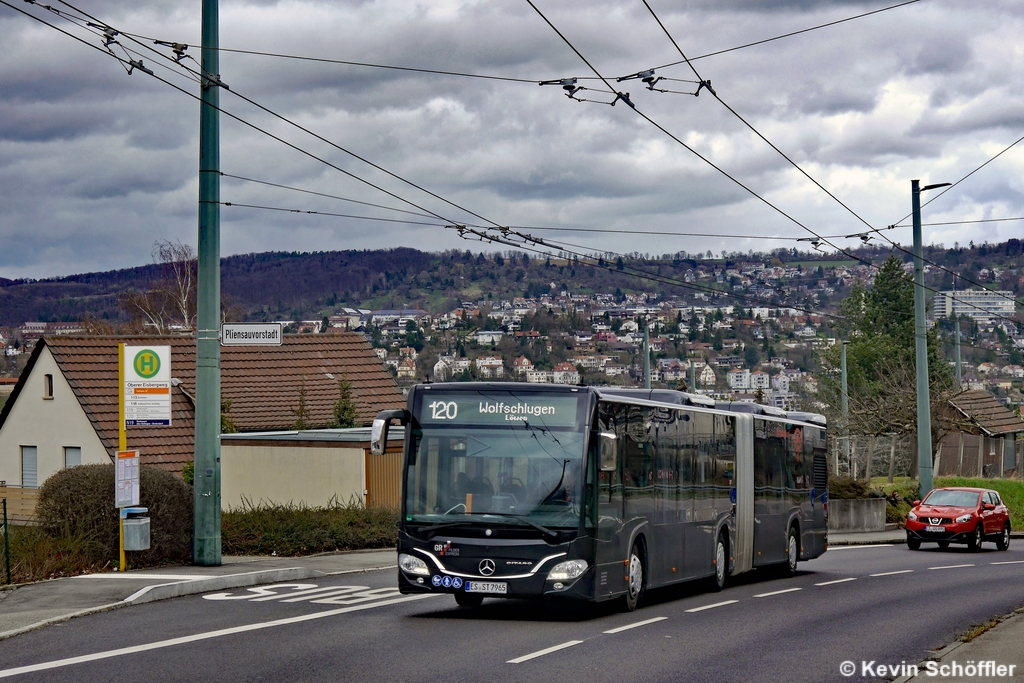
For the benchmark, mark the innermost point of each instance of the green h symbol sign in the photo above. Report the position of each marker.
(146, 363)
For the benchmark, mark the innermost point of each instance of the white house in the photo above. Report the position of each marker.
(738, 380)
(565, 373)
(759, 380)
(780, 382)
(707, 376)
(490, 366)
(489, 336)
(538, 376)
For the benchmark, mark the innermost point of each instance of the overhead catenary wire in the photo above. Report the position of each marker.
(323, 139)
(817, 236)
(328, 213)
(322, 194)
(793, 163)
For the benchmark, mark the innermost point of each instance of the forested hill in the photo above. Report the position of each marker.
(280, 285)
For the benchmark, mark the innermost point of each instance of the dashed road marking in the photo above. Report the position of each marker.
(952, 566)
(901, 571)
(1009, 562)
(833, 548)
(545, 651)
(639, 623)
(786, 590)
(829, 583)
(717, 604)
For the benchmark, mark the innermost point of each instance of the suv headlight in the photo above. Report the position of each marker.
(413, 565)
(964, 518)
(568, 570)
(911, 516)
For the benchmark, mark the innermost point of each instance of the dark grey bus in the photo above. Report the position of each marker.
(515, 490)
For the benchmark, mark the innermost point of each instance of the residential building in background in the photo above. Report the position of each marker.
(982, 305)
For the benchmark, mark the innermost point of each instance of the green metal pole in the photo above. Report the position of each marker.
(924, 414)
(7, 543)
(956, 347)
(693, 376)
(647, 357)
(846, 405)
(206, 545)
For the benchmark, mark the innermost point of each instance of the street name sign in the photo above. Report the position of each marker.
(147, 386)
(250, 334)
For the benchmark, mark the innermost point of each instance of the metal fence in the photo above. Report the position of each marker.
(957, 455)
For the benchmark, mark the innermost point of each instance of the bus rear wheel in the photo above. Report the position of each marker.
(792, 553)
(635, 579)
(468, 599)
(721, 565)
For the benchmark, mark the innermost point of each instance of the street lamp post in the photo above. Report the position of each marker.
(924, 415)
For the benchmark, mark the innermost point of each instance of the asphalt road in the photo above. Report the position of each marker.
(884, 604)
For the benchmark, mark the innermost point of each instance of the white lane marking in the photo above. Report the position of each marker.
(56, 664)
(639, 623)
(829, 583)
(268, 591)
(149, 577)
(768, 595)
(545, 651)
(952, 566)
(1009, 562)
(717, 604)
(857, 547)
(901, 571)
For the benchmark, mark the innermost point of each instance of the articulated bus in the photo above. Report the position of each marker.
(517, 490)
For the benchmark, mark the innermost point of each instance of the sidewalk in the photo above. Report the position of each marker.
(867, 537)
(34, 605)
(1000, 645)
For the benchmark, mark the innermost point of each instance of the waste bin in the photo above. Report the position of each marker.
(136, 533)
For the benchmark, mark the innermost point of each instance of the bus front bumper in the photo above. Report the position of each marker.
(529, 587)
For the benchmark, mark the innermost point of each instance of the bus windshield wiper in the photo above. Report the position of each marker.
(524, 520)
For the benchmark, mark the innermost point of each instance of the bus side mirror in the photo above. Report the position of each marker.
(379, 431)
(379, 436)
(608, 452)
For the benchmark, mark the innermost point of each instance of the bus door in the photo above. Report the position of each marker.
(668, 540)
(770, 511)
(610, 550)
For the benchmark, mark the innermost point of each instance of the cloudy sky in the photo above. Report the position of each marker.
(96, 165)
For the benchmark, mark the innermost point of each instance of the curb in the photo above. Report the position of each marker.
(177, 589)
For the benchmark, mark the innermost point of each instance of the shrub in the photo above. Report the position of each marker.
(266, 529)
(844, 488)
(36, 556)
(898, 497)
(78, 503)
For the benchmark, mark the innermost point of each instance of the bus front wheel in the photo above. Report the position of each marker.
(635, 578)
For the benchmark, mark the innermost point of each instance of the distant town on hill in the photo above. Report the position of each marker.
(741, 324)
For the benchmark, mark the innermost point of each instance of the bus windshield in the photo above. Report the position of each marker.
(496, 457)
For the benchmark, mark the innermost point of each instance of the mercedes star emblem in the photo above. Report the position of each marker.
(486, 567)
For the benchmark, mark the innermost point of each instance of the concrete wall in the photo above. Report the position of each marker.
(864, 514)
(47, 424)
(288, 473)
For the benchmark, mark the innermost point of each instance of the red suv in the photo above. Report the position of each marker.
(959, 515)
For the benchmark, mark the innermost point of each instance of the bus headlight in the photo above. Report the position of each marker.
(568, 570)
(413, 565)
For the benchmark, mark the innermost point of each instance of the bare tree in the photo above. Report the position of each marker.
(171, 302)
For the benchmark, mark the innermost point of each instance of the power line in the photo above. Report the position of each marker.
(328, 213)
(817, 237)
(794, 164)
(322, 194)
(309, 132)
(981, 220)
(788, 35)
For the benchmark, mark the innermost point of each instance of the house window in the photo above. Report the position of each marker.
(72, 456)
(29, 469)
(47, 386)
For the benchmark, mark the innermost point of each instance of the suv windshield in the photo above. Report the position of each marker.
(496, 457)
(963, 499)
